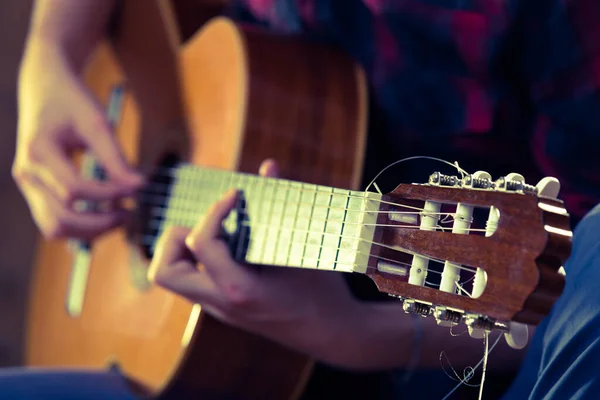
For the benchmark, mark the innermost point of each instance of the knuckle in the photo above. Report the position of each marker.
(196, 244)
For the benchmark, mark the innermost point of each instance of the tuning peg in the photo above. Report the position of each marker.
(549, 187)
(479, 179)
(514, 182)
(513, 176)
(518, 334)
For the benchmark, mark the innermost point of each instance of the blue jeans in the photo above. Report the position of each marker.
(45, 384)
(562, 360)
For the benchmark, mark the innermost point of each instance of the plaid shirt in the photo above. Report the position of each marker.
(510, 82)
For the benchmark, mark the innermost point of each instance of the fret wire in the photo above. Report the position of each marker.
(294, 221)
(298, 240)
(278, 226)
(272, 229)
(342, 230)
(327, 212)
(259, 215)
(309, 219)
(266, 236)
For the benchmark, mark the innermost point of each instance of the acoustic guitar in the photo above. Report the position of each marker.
(199, 117)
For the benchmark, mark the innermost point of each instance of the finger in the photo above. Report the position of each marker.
(269, 168)
(209, 229)
(98, 136)
(184, 279)
(170, 248)
(57, 221)
(58, 174)
(173, 268)
(213, 253)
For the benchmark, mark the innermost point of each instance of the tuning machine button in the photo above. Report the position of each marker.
(477, 322)
(514, 182)
(479, 180)
(415, 307)
(439, 179)
(446, 317)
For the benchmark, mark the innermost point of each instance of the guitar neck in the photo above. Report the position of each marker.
(285, 223)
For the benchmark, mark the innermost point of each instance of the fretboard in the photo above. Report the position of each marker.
(291, 223)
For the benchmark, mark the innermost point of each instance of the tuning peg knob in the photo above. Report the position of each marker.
(517, 335)
(549, 187)
(479, 179)
(513, 176)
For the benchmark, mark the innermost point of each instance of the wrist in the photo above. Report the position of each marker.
(48, 51)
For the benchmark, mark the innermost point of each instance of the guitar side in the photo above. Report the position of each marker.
(228, 98)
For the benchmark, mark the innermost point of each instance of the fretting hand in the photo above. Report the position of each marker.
(299, 308)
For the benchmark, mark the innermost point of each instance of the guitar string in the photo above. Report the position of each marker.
(199, 179)
(168, 194)
(185, 213)
(188, 212)
(181, 166)
(163, 201)
(165, 197)
(472, 370)
(193, 214)
(190, 216)
(184, 216)
(151, 240)
(187, 199)
(278, 183)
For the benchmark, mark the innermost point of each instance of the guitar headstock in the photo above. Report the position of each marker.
(473, 250)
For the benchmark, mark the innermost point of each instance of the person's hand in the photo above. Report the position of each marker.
(303, 309)
(57, 115)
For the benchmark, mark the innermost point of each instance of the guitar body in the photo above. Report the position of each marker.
(227, 98)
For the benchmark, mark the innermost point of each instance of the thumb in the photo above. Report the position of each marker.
(269, 168)
(95, 131)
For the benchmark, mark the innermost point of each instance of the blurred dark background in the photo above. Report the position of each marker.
(17, 232)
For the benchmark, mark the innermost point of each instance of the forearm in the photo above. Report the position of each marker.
(69, 28)
(384, 337)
